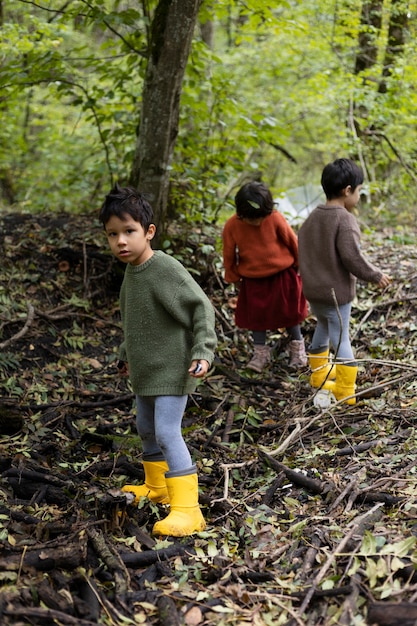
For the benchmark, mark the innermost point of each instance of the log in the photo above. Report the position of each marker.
(44, 616)
(112, 560)
(270, 493)
(168, 615)
(67, 557)
(39, 492)
(36, 476)
(297, 478)
(392, 614)
(54, 600)
(143, 559)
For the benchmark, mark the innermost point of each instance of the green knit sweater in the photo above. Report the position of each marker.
(167, 322)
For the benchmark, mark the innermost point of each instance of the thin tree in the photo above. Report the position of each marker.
(397, 30)
(369, 30)
(171, 34)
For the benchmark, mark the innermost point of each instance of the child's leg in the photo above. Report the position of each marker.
(295, 332)
(318, 353)
(339, 322)
(185, 517)
(346, 367)
(259, 337)
(320, 340)
(332, 325)
(145, 425)
(261, 352)
(169, 411)
(154, 463)
(298, 357)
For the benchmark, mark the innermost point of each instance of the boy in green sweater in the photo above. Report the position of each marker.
(169, 342)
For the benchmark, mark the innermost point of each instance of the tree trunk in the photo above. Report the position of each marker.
(171, 35)
(371, 20)
(397, 28)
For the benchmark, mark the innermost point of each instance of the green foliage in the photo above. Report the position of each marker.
(275, 97)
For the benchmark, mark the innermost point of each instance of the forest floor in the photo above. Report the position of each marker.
(311, 513)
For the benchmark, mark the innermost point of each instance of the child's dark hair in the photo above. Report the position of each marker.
(254, 200)
(338, 175)
(122, 201)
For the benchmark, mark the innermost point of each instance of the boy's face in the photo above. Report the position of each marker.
(352, 197)
(128, 240)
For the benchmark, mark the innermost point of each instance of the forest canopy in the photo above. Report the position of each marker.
(270, 92)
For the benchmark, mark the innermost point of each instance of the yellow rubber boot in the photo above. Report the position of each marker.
(155, 487)
(185, 517)
(322, 372)
(345, 382)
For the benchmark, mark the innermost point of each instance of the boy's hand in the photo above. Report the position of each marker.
(123, 368)
(384, 282)
(199, 368)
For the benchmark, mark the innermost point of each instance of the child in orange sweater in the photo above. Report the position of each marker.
(260, 255)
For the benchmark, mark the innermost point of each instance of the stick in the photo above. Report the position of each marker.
(339, 548)
(23, 331)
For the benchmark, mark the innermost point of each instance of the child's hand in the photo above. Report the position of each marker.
(199, 368)
(123, 368)
(384, 282)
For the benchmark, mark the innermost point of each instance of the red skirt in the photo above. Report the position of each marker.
(270, 303)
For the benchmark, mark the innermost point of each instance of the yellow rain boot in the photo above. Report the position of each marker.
(322, 372)
(345, 382)
(185, 517)
(155, 487)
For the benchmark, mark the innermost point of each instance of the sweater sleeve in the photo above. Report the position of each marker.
(122, 347)
(193, 309)
(348, 245)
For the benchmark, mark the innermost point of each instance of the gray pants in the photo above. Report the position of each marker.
(332, 330)
(158, 421)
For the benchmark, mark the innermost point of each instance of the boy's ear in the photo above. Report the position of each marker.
(151, 232)
(347, 190)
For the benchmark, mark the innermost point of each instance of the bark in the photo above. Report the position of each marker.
(392, 614)
(67, 557)
(170, 41)
(371, 20)
(168, 615)
(397, 29)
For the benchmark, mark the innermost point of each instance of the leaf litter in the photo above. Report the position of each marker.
(311, 513)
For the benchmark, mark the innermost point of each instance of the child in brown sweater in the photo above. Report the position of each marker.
(330, 262)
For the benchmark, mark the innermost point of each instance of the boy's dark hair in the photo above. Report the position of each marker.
(338, 175)
(254, 200)
(126, 200)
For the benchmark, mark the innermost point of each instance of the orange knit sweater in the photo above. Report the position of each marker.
(258, 251)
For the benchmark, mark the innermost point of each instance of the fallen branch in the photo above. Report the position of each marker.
(142, 559)
(297, 478)
(392, 614)
(168, 615)
(23, 331)
(112, 560)
(67, 557)
(338, 550)
(47, 615)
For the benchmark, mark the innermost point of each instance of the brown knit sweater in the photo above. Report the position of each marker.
(330, 256)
